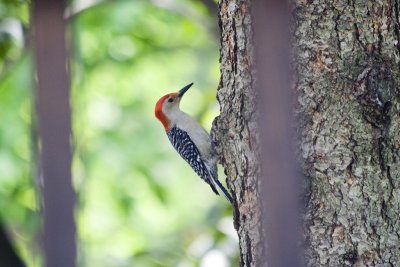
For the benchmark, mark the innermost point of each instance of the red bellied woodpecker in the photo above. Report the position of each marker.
(190, 139)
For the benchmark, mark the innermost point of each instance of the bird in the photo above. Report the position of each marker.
(189, 139)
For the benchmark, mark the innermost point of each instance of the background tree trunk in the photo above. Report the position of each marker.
(54, 129)
(347, 74)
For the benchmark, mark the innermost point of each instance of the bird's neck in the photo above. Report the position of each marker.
(163, 119)
(172, 117)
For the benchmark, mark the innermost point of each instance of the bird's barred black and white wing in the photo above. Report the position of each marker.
(188, 150)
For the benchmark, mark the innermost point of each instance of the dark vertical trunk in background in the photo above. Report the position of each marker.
(279, 180)
(347, 74)
(53, 110)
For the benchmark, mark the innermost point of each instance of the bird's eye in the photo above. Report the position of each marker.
(170, 100)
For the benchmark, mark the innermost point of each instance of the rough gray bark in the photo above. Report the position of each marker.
(347, 77)
(347, 66)
(234, 130)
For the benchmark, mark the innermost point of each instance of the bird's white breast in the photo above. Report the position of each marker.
(197, 133)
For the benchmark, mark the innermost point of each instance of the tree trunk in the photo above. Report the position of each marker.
(234, 129)
(54, 128)
(347, 59)
(347, 73)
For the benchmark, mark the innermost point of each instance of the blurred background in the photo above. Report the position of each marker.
(138, 203)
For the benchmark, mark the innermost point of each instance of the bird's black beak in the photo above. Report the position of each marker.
(184, 89)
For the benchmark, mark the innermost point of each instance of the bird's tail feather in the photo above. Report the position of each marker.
(212, 185)
(223, 189)
(213, 180)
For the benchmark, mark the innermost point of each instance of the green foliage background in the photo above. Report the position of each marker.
(138, 203)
